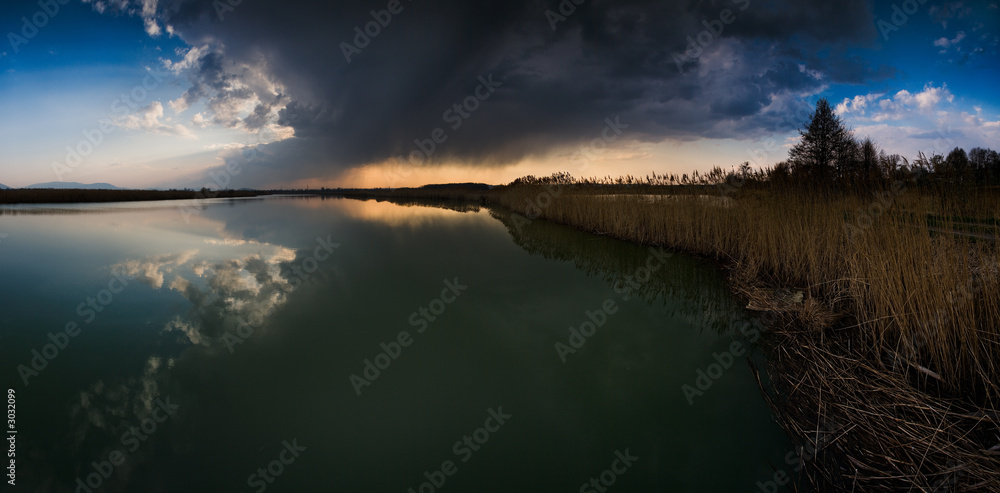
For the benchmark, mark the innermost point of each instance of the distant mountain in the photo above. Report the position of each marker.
(4, 187)
(72, 184)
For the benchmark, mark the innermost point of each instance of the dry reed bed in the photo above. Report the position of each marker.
(863, 428)
(910, 380)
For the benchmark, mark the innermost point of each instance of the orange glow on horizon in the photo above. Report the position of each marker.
(636, 159)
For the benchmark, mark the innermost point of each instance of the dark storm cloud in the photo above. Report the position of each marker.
(604, 59)
(210, 75)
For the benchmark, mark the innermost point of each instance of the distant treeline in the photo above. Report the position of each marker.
(829, 157)
(474, 192)
(64, 196)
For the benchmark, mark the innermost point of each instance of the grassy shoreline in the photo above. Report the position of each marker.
(886, 372)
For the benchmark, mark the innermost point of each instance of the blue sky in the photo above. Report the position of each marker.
(947, 61)
(72, 75)
(181, 87)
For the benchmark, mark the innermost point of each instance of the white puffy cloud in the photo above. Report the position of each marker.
(244, 97)
(148, 118)
(946, 43)
(149, 17)
(905, 102)
(190, 57)
(226, 282)
(929, 121)
(190, 331)
(858, 104)
(151, 270)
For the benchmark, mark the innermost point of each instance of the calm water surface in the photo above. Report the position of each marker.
(303, 344)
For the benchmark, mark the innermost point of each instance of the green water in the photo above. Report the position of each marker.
(234, 347)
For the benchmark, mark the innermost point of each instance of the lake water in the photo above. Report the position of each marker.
(294, 344)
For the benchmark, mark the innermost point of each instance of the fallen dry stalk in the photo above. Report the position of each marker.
(888, 433)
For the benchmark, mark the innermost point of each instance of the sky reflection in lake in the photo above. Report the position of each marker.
(251, 317)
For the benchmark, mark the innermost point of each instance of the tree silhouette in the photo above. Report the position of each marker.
(985, 164)
(827, 147)
(869, 170)
(957, 167)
